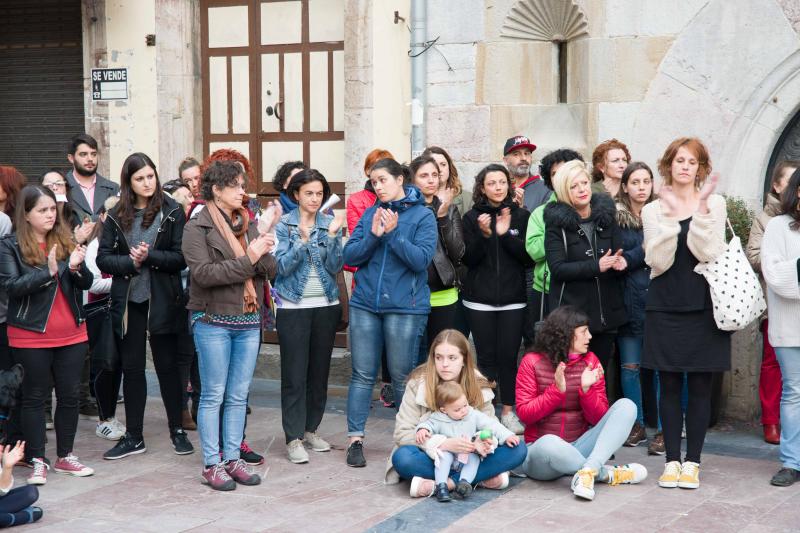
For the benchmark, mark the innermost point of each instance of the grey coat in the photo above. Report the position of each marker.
(441, 424)
(103, 189)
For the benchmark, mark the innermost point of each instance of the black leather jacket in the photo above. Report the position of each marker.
(442, 272)
(167, 311)
(32, 290)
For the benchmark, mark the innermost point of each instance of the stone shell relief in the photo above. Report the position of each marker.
(545, 20)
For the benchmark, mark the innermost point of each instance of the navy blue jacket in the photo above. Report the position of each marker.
(392, 274)
(637, 276)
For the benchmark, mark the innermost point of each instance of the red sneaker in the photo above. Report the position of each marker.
(70, 465)
(39, 474)
(217, 478)
(241, 473)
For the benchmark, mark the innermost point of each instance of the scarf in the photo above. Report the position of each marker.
(234, 233)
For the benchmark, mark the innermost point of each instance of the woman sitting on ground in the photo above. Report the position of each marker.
(561, 394)
(449, 359)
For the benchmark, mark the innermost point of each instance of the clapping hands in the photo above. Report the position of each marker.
(616, 261)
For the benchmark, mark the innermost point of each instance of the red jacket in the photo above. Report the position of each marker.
(356, 205)
(547, 411)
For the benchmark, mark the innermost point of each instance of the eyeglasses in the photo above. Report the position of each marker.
(55, 184)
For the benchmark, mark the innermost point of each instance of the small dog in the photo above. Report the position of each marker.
(10, 383)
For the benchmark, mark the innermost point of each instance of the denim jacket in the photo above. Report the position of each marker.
(295, 257)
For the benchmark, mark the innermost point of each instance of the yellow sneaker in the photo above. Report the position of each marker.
(669, 479)
(690, 475)
(583, 483)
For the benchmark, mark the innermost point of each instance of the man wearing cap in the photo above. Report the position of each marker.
(530, 192)
(517, 157)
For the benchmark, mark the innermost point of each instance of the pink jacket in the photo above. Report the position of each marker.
(547, 411)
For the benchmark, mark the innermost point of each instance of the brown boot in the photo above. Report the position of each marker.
(772, 434)
(637, 435)
(188, 422)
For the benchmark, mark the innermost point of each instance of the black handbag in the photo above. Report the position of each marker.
(102, 341)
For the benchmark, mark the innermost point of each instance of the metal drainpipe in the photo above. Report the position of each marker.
(418, 76)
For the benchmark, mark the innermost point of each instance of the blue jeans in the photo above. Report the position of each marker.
(551, 457)
(630, 357)
(227, 359)
(410, 461)
(370, 332)
(789, 359)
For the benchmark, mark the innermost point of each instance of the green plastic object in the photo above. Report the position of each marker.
(485, 434)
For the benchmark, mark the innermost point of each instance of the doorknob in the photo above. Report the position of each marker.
(279, 109)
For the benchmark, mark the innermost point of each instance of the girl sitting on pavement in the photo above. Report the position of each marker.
(449, 360)
(456, 418)
(560, 394)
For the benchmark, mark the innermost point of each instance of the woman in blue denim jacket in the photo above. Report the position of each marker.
(636, 190)
(392, 246)
(309, 255)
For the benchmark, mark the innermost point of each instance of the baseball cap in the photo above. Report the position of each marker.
(519, 141)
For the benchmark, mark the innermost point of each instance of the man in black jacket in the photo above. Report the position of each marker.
(88, 190)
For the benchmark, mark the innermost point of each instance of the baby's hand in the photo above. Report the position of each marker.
(512, 441)
(422, 436)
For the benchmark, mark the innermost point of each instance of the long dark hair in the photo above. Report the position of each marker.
(420, 162)
(66, 209)
(555, 338)
(453, 182)
(478, 193)
(625, 198)
(127, 198)
(60, 234)
(393, 168)
(790, 203)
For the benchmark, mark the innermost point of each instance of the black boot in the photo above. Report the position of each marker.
(464, 488)
(441, 492)
(785, 477)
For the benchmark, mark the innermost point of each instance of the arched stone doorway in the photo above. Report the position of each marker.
(787, 147)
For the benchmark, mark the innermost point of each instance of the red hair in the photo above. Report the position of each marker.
(698, 149)
(599, 156)
(229, 154)
(374, 156)
(12, 181)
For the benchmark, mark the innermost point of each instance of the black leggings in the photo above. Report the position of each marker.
(497, 336)
(65, 364)
(134, 385)
(13, 427)
(106, 389)
(14, 504)
(698, 412)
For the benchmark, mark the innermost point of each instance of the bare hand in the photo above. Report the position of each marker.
(52, 262)
(446, 198)
(12, 456)
(483, 447)
(139, 254)
(519, 196)
(83, 231)
(389, 220)
(336, 224)
(503, 221)
(621, 263)
(303, 231)
(512, 441)
(377, 222)
(270, 217)
(260, 246)
(560, 378)
(422, 436)
(668, 201)
(485, 224)
(77, 256)
(607, 261)
(458, 445)
(709, 187)
(590, 376)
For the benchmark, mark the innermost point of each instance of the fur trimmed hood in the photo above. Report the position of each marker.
(626, 219)
(563, 215)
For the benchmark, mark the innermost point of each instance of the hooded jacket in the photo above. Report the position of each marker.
(495, 265)
(637, 276)
(575, 271)
(392, 274)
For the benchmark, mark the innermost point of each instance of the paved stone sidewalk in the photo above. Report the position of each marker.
(161, 492)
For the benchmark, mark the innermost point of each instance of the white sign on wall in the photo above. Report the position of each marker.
(109, 84)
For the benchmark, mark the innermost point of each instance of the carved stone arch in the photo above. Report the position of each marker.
(545, 20)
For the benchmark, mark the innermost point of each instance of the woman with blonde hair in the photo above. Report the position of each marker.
(449, 359)
(684, 227)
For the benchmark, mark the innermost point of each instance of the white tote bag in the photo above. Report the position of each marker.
(735, 291)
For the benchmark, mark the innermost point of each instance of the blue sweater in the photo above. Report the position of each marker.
(392, 274)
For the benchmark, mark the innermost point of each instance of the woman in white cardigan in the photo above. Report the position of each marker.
(686, 226)
(780, 264)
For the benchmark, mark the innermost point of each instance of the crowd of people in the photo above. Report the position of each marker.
(589, 268)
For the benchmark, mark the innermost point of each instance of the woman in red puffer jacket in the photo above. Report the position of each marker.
(561, 399)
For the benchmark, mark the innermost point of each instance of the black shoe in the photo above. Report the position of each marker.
(387, 395)
(355, 454)
(249, 456)
(441, 492)
(785, 477)
(126, 446)
(180, 441)
(88, 410)
(248, 410)
(464, 489)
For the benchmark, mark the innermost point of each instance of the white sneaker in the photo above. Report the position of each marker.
(511, 421)
(421, 487)
(297, 453)
(631, 473)
(583, 483)
(315, 442)
(119, 425)
(109, 429)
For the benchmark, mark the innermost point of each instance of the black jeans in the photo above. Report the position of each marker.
(65, 364)
(602, 344)
(134, 385)
(533, 298)
(497, 335)
(106, 389)
(189, 372)
(698, 412)
(306, 338)
(13, 429)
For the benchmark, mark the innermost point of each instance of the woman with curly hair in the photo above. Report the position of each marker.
(11, 182)
(561, 399)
